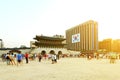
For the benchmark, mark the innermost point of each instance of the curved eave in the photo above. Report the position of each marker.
(48, 38)
(37, 43)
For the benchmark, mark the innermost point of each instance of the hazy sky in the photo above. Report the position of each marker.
(22, 20)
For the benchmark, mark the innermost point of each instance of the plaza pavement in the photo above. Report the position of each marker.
(64, 69)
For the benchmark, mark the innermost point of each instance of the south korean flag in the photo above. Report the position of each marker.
(75, 38)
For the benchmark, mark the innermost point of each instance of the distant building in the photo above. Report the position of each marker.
(110, 45)
(32, 45)
(1, 43)
(106, 45)
(83, 37)
(116, 45)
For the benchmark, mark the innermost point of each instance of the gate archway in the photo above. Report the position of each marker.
(43, 52)
(52, 52)
(59, 52)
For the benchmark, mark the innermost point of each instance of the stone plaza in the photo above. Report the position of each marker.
(64, 69)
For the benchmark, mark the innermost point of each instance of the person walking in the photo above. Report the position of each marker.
(12, 57)
(19, 58)
(8, 59)
(26, 57)
(113, 57)
(54, 58)
(39, 57)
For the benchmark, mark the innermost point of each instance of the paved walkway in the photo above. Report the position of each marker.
(65, 69)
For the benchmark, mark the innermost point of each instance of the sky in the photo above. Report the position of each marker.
(22, 20)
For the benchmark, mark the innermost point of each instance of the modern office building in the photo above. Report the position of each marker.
(83, 37)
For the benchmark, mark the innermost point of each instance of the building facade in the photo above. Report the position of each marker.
(83, 37)
(110, 45)
(106, 45)
(46, 45)
(116, 45)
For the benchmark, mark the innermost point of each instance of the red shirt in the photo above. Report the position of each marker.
(26, 55)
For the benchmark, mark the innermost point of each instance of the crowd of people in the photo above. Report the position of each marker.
(13, 59)
(17, 58)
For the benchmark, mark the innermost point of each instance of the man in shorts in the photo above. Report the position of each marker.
(19, 58)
